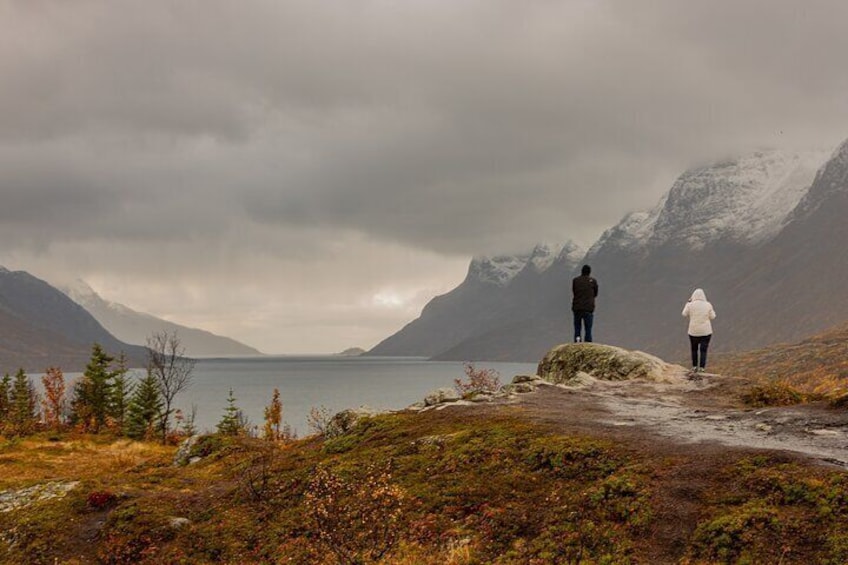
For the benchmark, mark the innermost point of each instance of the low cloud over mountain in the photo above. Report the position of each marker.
(762, 234)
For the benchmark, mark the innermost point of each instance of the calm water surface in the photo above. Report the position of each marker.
(332, 381)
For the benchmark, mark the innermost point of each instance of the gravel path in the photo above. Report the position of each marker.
(693, 413)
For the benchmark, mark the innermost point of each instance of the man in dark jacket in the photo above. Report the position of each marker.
(585, 289)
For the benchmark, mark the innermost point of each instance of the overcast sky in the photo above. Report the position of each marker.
(304, 175)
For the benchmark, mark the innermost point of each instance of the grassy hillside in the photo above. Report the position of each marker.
(444, 487)
(817, 366)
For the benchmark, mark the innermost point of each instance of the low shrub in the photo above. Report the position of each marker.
(774, 394)
(477, 381)
(100, 499)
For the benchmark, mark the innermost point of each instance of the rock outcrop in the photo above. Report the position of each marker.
(17, 499)
(570, 363)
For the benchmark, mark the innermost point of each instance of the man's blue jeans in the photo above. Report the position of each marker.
(583, 320)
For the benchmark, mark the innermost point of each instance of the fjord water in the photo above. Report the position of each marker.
(336, 382)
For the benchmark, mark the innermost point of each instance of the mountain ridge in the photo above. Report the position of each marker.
(733, 227)
(42, 327)
(135, 327)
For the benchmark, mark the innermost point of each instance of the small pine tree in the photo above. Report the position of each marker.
(189, 425)
(231, 423)
(23, 417)
(53, 403)
(92, 392)
(119, 395)
(274, 418)
(144, 412)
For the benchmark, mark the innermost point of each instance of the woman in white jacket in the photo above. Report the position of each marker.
(700, 312)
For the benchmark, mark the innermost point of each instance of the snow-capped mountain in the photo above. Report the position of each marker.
(745, 201)
(831, 180)
(763, 234)
(709, 231)
(135, 327)
(499, 270)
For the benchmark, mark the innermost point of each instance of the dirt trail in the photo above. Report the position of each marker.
(692, 413)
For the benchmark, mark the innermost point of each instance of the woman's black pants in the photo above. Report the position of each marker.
(699, 344)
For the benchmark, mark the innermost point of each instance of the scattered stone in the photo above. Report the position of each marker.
(195, 459)
(525, 379)
(482, 397)
(824, 432)
(449, 404)
(716, 417)
(183, 454)
(523, 388)
(177, 522)
(442, 395)
(763, 427)
(434, 440)
(16, 499)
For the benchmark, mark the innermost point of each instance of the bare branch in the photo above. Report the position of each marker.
(167, 362)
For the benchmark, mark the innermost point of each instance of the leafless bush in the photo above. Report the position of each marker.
(318, 419)
(478, 380)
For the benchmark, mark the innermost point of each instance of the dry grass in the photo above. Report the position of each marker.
(816, 367)
(32, 460)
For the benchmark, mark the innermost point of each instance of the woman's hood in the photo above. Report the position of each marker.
(698, 295)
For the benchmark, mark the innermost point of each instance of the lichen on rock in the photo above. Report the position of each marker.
(565, 363)
(17, 499)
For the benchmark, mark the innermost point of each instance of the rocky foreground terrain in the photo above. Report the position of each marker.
(604, 456)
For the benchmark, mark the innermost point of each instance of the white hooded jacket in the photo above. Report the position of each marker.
(700, 312)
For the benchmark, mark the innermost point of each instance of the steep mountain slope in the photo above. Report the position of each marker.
(498, 293)
(794, 285)
(736, 228)
(706, 232)
(135, 327)
(41, 326)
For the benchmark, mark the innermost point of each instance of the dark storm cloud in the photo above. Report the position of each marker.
(440, 124)
(258, 137)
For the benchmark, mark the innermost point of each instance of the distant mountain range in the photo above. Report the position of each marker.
(762, 234)
(135, 327)
(41, 327)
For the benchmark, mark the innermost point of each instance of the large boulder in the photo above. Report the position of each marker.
(571, 362)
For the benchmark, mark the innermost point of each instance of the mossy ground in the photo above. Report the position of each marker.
(490, 488)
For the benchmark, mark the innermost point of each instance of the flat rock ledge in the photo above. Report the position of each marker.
(17, 499)
(571, 363)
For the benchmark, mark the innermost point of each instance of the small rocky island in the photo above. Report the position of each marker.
(351, 352)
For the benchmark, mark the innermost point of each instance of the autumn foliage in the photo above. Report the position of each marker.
(357, 518)
(477, 380)
(53, 404)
